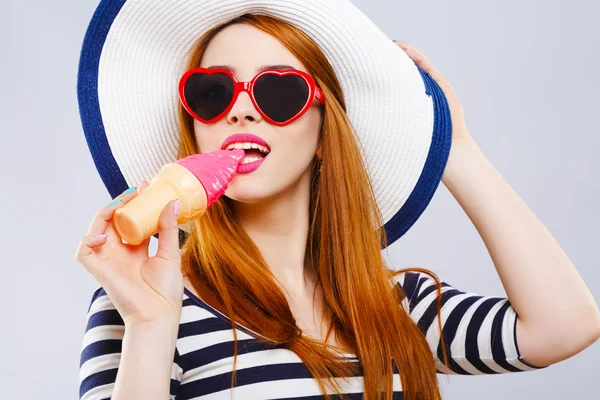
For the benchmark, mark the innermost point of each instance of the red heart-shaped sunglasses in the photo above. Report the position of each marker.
(281, 97)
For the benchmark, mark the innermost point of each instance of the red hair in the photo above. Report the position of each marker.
(344, 247)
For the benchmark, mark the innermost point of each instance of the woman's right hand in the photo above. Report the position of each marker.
(143, 289)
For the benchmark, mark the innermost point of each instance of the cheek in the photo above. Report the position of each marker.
(306, 129)
(296, 148)
(310, 133)
(199, 135)
(206, 138)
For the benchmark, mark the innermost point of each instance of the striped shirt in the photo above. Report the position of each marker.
(479, 330)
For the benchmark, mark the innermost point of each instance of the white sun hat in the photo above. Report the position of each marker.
(135, 51)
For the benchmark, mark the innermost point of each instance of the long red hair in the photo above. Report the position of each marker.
(344, 247)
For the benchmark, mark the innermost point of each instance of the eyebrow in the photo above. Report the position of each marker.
(262, 68)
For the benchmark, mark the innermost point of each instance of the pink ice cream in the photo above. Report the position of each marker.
(214, 170)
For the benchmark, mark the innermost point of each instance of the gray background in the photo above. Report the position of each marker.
(526, 73)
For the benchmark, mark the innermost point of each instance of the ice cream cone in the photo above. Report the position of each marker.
(197, 181)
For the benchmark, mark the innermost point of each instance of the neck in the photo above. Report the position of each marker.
(278, 225)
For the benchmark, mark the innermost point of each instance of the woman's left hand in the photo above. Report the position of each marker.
(459, 127)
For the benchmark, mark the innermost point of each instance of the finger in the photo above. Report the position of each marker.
(143, 186)
(402, 45)
(101, 220)
(85, 253)
(168, 233)
(110, 230)
(141, 248)
(422, 61)
(113, 232)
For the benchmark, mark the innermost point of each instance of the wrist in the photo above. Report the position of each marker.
(460, 151)
(160, 334)
(156, 325)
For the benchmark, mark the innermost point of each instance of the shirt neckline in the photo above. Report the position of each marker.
(219, 314)
(225, 318)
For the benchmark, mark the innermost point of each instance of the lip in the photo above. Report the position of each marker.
(249, 167)
(244, 137)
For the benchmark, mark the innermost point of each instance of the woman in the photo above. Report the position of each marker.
(281, 285)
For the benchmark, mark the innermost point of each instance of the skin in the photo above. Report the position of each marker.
(557, 314)
(272, 202)
(272, 205)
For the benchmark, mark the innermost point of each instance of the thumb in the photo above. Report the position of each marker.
(168, 233)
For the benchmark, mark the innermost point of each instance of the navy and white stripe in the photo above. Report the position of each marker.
(480, 333)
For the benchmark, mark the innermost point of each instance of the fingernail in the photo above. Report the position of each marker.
(114, 202)
(101, 236)
(176, 207)
(130, 190)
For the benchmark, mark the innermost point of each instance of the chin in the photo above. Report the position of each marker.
(247, 192)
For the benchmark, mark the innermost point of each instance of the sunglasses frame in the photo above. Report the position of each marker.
(313, 92)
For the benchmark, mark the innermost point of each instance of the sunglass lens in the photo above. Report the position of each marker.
(208, 95)
(281, 97)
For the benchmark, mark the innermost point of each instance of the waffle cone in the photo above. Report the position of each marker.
(138, 219)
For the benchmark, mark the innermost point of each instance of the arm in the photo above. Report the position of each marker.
(126, 362)
(146, 361)
(557, 315)
(479, 331)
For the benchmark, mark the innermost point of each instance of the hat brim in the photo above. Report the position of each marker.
(130, 121)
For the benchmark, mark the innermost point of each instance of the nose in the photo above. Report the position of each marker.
(243, 109)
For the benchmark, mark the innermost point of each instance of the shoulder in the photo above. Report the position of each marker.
(412, 282)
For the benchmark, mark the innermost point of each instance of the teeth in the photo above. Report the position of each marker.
(247, 160)
(248, 145)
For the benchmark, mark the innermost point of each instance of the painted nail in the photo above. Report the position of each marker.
(176, 207)
(114, 202)
(130, 190)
